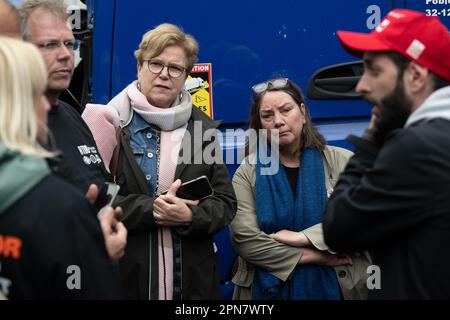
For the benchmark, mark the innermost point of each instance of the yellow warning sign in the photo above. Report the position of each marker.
(198, 84)
(199, 98)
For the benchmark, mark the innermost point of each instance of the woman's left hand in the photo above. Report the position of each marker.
(322, 258)
(171, 211)
(292, 238)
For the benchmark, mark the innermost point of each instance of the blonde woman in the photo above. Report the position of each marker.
(170, 251)
(52, 244)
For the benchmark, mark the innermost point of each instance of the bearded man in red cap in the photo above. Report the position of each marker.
(394, 196)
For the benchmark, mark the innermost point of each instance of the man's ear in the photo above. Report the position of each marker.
(417, 77)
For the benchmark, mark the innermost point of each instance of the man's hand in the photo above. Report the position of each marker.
(92, 193)
(313, 256)
(374, 118)
(170, 211)
(292, 238)
(114, 232)
(371, 131)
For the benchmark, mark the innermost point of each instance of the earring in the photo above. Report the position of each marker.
(138, 85)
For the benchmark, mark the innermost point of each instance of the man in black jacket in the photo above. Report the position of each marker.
(45, 23)
(394, 196)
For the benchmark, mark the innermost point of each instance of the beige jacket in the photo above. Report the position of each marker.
(255, 247)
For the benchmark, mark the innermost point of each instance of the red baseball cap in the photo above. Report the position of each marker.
(418, 37)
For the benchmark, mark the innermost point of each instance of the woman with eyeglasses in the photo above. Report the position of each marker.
(170, 252)
(51, 243)
(277, 229)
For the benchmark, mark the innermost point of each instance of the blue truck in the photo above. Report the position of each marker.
(245, 42)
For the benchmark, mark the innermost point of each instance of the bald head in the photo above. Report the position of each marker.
(9, 18)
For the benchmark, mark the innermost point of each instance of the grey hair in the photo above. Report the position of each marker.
(55, 7)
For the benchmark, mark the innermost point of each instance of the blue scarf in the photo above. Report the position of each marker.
(277, 209)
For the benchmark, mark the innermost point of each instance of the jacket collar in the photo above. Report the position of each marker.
(19, 174)
(437, 105)
(198, 124)
(200, 128)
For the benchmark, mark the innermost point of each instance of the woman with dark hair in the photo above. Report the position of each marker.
(277, 231)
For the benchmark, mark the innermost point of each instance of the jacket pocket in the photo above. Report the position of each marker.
(138, 152)
(353, 278)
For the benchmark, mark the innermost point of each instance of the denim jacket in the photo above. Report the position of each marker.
(144, 145)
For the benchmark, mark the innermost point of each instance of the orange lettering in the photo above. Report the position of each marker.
(10, 247)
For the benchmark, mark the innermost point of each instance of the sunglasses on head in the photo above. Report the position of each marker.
(275, 83)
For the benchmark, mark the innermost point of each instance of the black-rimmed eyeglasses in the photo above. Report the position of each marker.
(275, 83)
(157, 67)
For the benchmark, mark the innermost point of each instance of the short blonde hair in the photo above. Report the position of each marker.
(156, 40)
(23, 78)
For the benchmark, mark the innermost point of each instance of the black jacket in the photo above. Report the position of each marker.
(195, 264)
(53, 230)
(395, 201)
(80, 163)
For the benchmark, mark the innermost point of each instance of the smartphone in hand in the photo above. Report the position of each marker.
(106, 196)
(196, 189)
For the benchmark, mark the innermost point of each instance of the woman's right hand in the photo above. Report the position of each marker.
(171, 211)
(313, 256)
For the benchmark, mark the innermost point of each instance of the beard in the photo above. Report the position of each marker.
(395, 109)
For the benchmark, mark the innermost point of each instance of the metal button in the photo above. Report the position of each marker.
(150, 155)
(342, 274)
(149, 136)
(148, 177)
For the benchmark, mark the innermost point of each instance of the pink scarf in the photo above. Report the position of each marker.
(173, 123)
